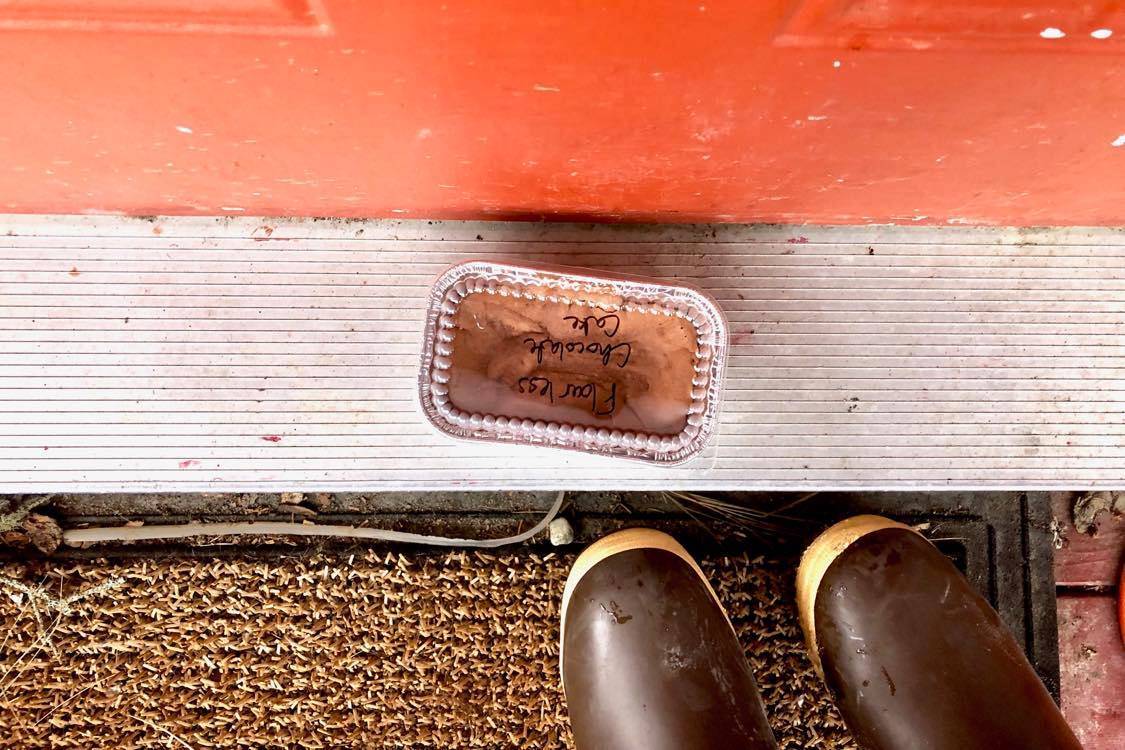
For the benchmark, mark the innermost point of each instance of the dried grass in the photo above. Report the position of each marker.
(330, 651)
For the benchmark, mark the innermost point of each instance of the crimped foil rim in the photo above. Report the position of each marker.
(476, 277)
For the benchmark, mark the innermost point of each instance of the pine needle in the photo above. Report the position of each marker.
(745, 520)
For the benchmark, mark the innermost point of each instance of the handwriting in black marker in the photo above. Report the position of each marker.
(573, 390)
(610, 403)
(624, 351)
(542, 347)
(604, 322)
(602, 402)
(538, 348)
(537, 386)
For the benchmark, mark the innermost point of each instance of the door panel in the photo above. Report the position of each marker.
(909, 111)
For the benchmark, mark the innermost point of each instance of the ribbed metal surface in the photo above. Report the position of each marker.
(211, 354)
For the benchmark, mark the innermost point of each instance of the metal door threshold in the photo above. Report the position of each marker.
(219, 354)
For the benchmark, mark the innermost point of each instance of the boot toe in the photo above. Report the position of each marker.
(648, 656)
(913, 654)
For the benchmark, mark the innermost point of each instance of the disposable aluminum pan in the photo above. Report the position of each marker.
(561, 357)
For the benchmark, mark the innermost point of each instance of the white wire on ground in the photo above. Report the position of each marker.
(98, 534)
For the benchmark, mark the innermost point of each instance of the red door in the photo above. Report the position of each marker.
(963, 111)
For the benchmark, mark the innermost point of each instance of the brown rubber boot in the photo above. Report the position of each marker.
(649, 659)
(915, 657)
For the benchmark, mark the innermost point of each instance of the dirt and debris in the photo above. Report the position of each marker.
(35, 530)
(1058, 538)
(561, 532)
(296, 510)
(18, 509)
(21, 528)
(321, 502)
(43, 532)
(1090, 506)
(619, 616)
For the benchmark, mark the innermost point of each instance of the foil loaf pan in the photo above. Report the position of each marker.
(568, 358)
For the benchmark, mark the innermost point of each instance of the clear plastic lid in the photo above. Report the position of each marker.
(560, 357)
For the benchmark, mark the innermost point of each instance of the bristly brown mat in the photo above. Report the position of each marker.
(336, 651)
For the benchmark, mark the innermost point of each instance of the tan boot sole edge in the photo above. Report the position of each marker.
(616, 543)
(815, 563)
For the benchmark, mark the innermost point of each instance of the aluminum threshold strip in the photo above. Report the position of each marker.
(243, 354)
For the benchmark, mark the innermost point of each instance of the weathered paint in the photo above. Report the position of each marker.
(1092, 665)
(1088, 561)
(781, 110)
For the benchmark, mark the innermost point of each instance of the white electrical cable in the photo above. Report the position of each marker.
(280, 528)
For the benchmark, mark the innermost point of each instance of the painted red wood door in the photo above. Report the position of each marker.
(961, 111)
